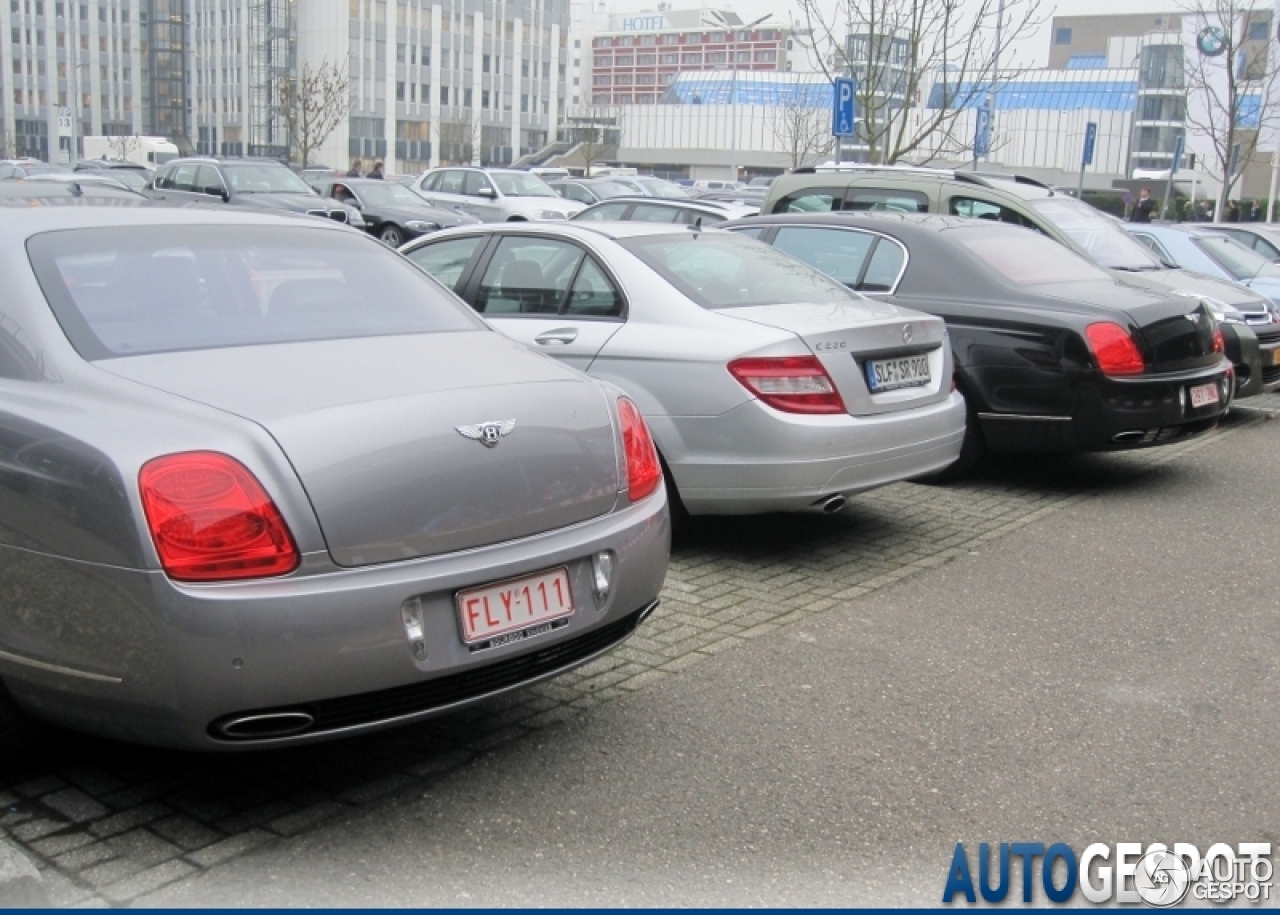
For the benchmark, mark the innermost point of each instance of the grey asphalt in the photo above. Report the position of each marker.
(1108, 673)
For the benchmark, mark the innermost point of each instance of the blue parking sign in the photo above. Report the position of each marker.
(844, 109)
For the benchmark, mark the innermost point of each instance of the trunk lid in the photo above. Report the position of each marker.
(846, 336)
(371, 426)
(1174, 333)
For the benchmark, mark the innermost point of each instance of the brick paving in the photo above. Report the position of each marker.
(110, 823)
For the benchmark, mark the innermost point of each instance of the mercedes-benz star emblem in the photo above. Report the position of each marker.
(488, 434)
(907, 333)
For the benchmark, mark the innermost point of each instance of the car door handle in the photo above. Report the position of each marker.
(558, 337)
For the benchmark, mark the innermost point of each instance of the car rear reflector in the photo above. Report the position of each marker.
(792, 384)
(211, 520)
(1114, 349)
(1219, 345)
(644, 473)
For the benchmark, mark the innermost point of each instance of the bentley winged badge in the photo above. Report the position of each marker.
(488, 434)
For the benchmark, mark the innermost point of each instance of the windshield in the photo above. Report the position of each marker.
(388, 193)
(134, 180)
(605, 189)
(519, 184)
(1233, 257)
(1026, 258)
(131, 290)
(659, 188)
(264, 178)
(719, 270)
(1102, 239)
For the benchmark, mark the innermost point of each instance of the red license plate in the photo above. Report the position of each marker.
(510, 606)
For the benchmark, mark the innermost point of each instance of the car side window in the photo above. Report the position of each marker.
(474, 183)
(608, 212)
(810, 200)
(1150, 242)
(527, 275)
(209, 181)
(751, 232)
(451, 182)
(164, 180)
(652, 212)
(593, 295)
(574, 192)
(697, 217)
(886, 200)
(839, 253)
(982, 209)
(184, 178)
(446, 260)
(1264, 247)
(884, 267)
(431, 182)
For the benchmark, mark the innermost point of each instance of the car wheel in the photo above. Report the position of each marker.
(24, 741)
(392, 236)
(972, 450)
(675, 505)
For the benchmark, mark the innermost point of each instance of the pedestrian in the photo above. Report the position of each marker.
(1233, 211)
(356, 164)
(1204, 211)
(376, 171)
(1145, 206)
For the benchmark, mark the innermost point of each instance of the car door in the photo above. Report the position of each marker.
(548, 293)
(444, 189)
(449, 260)
(210, 184)
(480, 197)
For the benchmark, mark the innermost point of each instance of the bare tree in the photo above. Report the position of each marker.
(1229, 80)
(594, 132)
(456, 139)
(803, 132)
(901, 51)
(124, 146)
(313, 104)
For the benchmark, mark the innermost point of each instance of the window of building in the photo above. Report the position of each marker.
(602, 79)
(625, 60)
(399, 92)
(484, 98)
(622, 79)
(669, 58)
(484, 63)
(646, 60)
(691, 58)
(670, 39)
(766, 57)
(1062, 36)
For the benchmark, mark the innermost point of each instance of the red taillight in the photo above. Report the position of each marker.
(212, 521)
(644, 473)
(1219, 345)
(793, 384)
(1114, 349)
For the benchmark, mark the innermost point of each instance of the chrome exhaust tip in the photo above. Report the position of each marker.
(647, 612)
(834, 504)
(264, 727)
(1128, 438)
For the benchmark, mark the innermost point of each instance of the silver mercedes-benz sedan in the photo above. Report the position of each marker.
(263, 482)
(768, 386)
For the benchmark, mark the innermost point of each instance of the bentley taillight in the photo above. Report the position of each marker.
(211, 520)
(1114, 349)
(644, 473)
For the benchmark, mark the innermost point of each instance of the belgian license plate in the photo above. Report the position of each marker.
(888, 374)
(514, 605)
(1202, 395)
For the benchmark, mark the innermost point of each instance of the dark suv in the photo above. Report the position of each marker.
(263, 183)
(1026, 202)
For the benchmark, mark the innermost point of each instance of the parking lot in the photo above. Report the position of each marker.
(110, 824)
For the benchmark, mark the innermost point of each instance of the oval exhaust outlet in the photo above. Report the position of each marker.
(834, 504)
(264, 727)
(1121, 438)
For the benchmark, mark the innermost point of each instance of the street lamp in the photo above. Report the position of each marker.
(733, 84)
(73, 83)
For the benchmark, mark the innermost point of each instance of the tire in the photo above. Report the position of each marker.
(24, 741)
(391, 236)
(675, 505)
(972, 451)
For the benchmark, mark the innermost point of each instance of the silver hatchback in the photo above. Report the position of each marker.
(768, 386)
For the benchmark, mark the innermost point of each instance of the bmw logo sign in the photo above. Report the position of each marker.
(1211, 41)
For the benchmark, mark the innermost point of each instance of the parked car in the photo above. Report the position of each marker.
(132, 175)
(1052, 353)
(391, 211)
(26, 168)
(267, 483)
(768, 386)
(1261, 237)
(320, 177)
(649, 209)
(1023, 201)
(1212, 253)
(245, 182)
(494, 194)
(715, 184)
(649, 186)
(83, 179)
(587, 191)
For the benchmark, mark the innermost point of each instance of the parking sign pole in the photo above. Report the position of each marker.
(1086, 158)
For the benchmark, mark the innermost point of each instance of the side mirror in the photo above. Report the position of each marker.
(486, 191)
(218, 191)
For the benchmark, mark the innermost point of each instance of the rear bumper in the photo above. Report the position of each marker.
(336, 640)
(755, 459)
(1114, 414)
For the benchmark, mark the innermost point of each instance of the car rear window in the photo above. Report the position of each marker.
(1026, 258)
(128, 291)
(721, 270)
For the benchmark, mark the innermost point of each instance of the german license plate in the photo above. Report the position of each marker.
(888, 374)
(1202, 395)
(513, 605)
